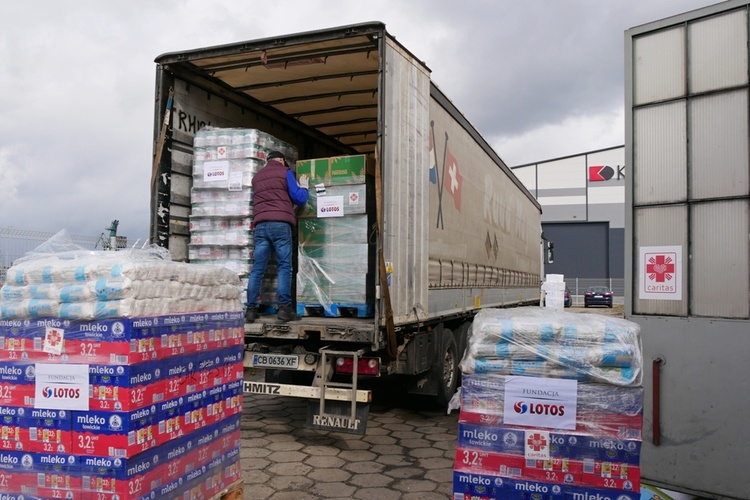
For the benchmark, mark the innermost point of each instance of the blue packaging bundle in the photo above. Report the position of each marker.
(543, 342)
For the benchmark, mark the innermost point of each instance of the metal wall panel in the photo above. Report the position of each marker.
(701, 361)
(719, 145)
(405, 168)
(581, 250)
(659, 66)
(719, 259)
(563, 208)
(564, 173)
(609, 191)
(527, 175)
(703, 405)
(660, 154)
(660, 226)
(718, 52)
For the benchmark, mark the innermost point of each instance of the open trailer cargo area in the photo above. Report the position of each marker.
(451, 230)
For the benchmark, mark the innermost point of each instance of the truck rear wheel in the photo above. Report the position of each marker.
(447, 369)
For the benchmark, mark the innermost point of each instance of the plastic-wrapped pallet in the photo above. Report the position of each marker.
(85, 284)
(550, 403)
(544, 342)
(336, 259)
(151, 352)
(221, 219)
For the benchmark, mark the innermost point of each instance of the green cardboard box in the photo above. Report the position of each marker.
(349, 229)
(355, 199)
(338, 170)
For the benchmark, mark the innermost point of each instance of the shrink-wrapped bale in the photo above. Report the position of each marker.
(543, 342)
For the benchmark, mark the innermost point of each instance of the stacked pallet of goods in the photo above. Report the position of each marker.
(221, 218)
(336, 258)
(120, 376)
(551, 407)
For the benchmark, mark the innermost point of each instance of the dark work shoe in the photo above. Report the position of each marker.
(251, 314)
(286, 313)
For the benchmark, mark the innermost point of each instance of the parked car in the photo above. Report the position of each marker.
(597, 296)
(566, 299)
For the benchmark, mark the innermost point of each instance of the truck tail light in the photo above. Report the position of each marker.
(365, 366)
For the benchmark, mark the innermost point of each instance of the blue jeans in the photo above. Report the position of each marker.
(271, 236)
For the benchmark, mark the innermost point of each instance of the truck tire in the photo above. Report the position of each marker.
(447, 369)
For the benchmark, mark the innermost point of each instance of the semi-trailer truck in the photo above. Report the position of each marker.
(451, 229)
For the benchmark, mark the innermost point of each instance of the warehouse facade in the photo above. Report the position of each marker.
(583, 203)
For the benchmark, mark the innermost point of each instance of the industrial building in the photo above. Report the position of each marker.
(583, 214)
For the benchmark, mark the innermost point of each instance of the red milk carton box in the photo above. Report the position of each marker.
(40, 474)
(232, 364)
(197, 335)
(109, 341)
(173, 336)
(226, 329)
(175, 459)
(112, 478)
(208, 371)
(45, 431)
(611, 475)
(114, 434)
(61, 340)
(179, 376)
(233, 398)
(564, 444)
(470, 486)
(555, 470)
(17, 383)
(588, 493)
(126, 387)
(169, 420)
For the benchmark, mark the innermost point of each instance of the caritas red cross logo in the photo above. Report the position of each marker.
(660, 268)
(536, 442)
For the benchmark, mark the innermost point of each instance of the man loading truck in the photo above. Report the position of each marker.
(275, 192)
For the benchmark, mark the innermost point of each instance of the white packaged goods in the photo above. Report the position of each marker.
(544, 342)
(85, 284)
(221, 219)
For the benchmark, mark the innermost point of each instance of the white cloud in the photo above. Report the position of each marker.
(538, 79)
(573, 135)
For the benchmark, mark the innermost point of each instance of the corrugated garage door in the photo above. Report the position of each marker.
(581, 249)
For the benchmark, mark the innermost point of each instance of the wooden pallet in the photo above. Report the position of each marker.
(232, 492)
(336, 310)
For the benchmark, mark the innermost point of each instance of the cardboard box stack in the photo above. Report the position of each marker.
(336, 259)
(131, 390)
(551, 407)
(221, 218)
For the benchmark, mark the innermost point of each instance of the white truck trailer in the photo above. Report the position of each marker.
(453, 230)
(687, 253)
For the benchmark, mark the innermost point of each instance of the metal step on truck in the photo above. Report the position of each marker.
(447, 229)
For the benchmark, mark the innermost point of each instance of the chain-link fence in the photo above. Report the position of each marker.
(578, 287)
(15, 242)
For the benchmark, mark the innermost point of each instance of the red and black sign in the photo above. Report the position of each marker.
(600, 173)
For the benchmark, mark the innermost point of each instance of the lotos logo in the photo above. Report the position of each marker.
(539, 409)
(61, 392)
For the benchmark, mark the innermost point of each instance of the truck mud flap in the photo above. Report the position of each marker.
(338, 417)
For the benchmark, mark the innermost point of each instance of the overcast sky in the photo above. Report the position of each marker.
(539, 79)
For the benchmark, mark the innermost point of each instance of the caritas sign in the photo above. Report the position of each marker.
(660, 270)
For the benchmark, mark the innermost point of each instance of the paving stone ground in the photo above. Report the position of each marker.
(406, 453)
